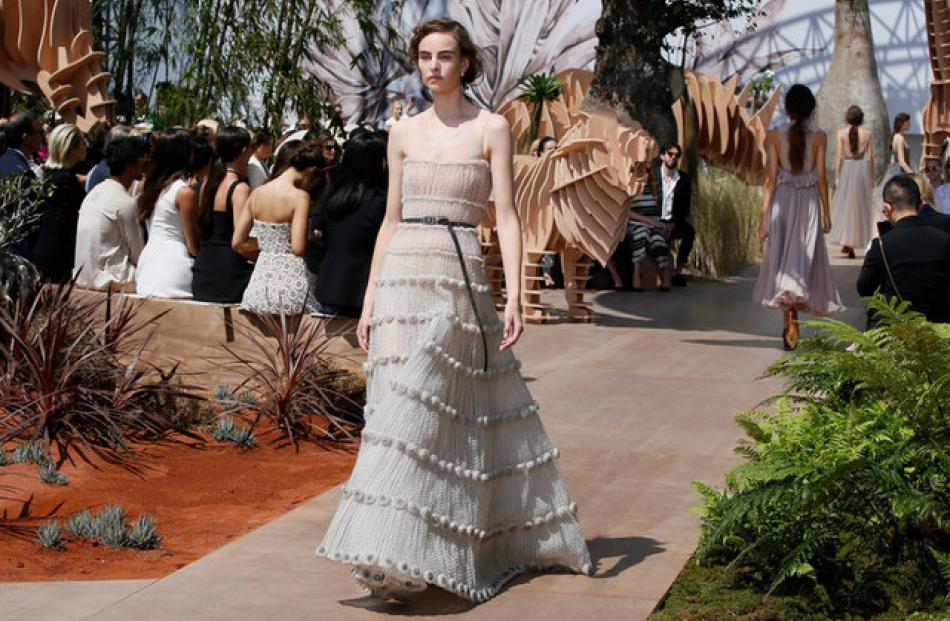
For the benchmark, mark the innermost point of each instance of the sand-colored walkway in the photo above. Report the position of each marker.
(640, 406)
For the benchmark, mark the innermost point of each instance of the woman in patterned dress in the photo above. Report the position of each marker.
(277, 216)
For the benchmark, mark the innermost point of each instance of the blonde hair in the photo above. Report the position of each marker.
(926, 190)
(62, 140)
(211, 124)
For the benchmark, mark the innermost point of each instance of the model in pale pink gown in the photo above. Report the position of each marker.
(795, 272)
(456, 483)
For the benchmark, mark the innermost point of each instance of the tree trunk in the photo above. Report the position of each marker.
(633, 79)
(852, 79)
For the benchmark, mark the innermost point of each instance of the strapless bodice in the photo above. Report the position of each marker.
(457, 190)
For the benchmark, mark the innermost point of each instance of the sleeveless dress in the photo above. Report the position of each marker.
(279, 282)
(164, 267)
(456, 482)
(795, 272)
(220, 274)
(852, 218)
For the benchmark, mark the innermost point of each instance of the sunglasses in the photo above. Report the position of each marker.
(674, 154)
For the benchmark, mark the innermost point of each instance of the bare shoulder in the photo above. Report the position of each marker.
(820, 136)
(495, 123)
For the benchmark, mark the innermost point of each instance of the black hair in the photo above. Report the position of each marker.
(361, 172)
(122, 151)
(544, 142)
(201, 153)
(262, 136)
(20, 126)
(902, 192)
(230, 142)
(170, 156)
(669, 145)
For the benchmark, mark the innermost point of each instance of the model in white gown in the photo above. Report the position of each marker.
(164, 268)
(456, 483)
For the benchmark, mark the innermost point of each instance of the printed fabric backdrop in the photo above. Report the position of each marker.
(795, 39)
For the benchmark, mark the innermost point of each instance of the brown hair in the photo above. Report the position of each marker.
(853, 117)
(467, 47)
(899, 120)
(799, 104)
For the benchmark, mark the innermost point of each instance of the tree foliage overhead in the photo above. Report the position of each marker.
(632, 75)
(223, 58)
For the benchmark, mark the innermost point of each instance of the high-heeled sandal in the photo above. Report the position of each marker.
(790, 334)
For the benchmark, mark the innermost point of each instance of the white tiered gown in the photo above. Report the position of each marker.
(456, 483)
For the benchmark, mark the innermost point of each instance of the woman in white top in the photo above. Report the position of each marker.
(169, 209)
(852, 221)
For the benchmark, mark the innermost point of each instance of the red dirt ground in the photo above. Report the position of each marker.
(202, 496)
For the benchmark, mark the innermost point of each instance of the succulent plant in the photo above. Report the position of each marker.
(223, 393)
(83, 525)
(111, 525)
(243, 437)
(50, 535)
(224, 429)
(30, 453)
(49, 474)
(144, 535)
(249, 398)
(5, 458)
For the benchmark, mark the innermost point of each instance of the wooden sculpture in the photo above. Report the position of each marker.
(936, 115)
(557, 116)
(574, 201)
(47, 49)
(726, 135)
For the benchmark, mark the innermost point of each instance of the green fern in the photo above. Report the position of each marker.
(847, 473)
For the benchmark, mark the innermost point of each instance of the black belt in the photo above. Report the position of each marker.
(433, 220)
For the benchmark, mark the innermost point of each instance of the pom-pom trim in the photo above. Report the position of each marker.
(434, 404)
(424, 455)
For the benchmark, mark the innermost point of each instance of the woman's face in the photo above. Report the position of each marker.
(397, 110)
(330, 150)
(78, 153)
(905, 126)
(440, 62)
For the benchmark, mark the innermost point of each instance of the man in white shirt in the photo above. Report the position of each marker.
(108, 236)
(677, 196)
(257, 174)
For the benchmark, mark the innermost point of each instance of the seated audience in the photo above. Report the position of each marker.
(928, 201)
(647, 236)
(676, 196)
(169, 209)
(349, 216)
(100, 172)
(257, 173)
(942, 193)
(23, 135)
(220, 273)
(53, 245)
(912, 260)
(547, 143)
(277, 216)
(108, 236)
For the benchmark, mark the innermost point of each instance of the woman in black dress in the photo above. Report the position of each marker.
(220, 273)
(54, 244)
(348, 217)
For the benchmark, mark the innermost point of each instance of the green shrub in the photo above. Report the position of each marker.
(222, 432)
(50, 535)
(846, 490)
(5, 458)
(144, 535)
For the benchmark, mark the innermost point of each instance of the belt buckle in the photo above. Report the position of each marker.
(434, 220)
